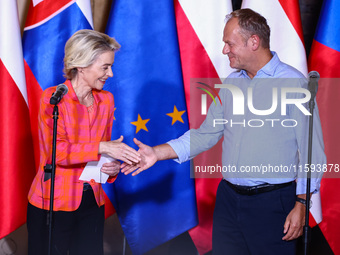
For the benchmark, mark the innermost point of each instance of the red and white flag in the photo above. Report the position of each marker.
(200, 27)
(286, 39)
(286, 35)
(16, 149)
(200, 31)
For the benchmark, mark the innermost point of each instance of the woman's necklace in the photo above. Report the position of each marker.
(91, 107)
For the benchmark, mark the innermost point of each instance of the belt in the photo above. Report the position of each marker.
(258, 189)
(86, 186)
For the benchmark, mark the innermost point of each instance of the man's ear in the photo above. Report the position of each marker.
(255, 42)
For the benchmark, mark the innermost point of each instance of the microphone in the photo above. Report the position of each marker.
(61, 91)
(313, 78)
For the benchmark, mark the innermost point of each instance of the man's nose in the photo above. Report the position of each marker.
(226, 49)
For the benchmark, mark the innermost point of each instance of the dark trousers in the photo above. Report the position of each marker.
(252, 225)
(77, 232)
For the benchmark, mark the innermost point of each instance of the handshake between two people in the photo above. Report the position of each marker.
(133, 161)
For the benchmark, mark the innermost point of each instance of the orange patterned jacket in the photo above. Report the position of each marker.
(77, 143)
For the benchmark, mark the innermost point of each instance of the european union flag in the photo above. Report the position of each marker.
(158, 204)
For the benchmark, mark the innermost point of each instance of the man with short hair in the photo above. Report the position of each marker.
(256, 212)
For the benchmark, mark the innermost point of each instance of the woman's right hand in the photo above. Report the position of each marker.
(149, 158)
(118, 150)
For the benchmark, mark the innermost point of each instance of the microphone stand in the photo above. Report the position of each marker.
(306, 228)
(50, 173)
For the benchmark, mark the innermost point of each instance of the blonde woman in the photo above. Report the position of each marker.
(84, 133)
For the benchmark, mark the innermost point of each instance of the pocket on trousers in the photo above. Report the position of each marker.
(287, 199)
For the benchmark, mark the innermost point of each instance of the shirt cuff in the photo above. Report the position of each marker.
(301, 185)
(181, 146)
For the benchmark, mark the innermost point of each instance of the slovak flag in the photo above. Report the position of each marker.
(49, 25)
(16, 148)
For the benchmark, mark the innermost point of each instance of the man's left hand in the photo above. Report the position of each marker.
(295, 221)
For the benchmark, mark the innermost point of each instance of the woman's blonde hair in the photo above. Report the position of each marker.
(82, 49)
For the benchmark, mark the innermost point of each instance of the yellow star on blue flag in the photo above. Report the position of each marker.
(140, 124)
(176, 115)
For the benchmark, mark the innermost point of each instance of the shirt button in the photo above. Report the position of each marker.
(92, 181)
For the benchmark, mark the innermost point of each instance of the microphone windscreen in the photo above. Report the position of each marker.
(63, 87)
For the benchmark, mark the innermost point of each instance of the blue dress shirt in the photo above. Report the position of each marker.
(261, 147)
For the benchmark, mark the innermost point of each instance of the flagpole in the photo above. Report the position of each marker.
(124, 245)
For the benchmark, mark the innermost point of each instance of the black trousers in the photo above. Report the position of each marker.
(73, 233)
(252, 225)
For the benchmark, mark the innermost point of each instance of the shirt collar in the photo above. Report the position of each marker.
(268, 70)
